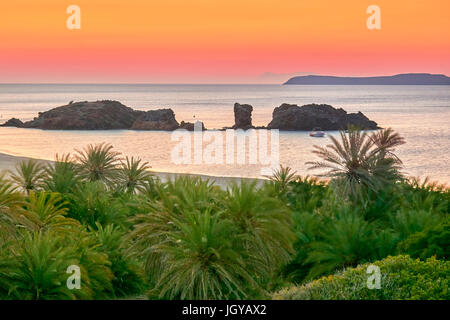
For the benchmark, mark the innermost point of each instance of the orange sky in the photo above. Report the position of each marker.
(160, 41)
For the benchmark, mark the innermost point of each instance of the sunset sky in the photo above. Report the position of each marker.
(218, 41)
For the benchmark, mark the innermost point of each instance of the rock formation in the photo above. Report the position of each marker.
(107, 114)
(190, 126)
(162, 119)
(308, 117)
(13, 122)
(99, 115)
(242, 116)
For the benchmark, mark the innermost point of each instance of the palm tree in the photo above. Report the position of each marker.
(265, 226)
(282, 177)
(98, 162)
(192, 249)
(35, 269)
(44, 211)
(62, 175)
(29, 175)
(128, 277)
(386, 140)
(10, 205)
(133, 174)
(199, 259)
(387, 165)
(360, 160)
(9, 197)
(91, 202)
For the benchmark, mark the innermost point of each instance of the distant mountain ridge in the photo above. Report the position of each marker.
(398, 79)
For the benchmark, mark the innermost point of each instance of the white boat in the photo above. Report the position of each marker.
(317, 133)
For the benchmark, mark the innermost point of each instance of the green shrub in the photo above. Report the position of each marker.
(336, 237)
(426, 195)
(406, 222)
(401, 278)
(306, 194)
(346, 240)
(380, 205)
(434, 241)
(305, 197)
(307, 230)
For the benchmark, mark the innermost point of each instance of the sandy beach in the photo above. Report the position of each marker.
(9, 162)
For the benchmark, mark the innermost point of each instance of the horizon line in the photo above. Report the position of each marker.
(211, 83)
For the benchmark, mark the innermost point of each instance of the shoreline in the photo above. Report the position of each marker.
(8, 162)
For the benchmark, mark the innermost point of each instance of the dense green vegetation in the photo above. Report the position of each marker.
(402, 278)
(132, 235)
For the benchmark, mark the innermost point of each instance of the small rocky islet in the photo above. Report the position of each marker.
(111, 115)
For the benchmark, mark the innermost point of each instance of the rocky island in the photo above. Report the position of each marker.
(100, 115)
(292, 117)
(113, 115)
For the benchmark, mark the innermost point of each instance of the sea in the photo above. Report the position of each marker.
(421, 114)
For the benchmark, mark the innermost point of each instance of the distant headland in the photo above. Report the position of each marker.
(398, 79)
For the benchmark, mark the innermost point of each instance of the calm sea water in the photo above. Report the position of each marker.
(420, 113)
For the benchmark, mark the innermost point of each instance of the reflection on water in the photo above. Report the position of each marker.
(420, 113)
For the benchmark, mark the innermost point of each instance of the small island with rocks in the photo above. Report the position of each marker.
(290, 117)
(101, 115)
(113, 115)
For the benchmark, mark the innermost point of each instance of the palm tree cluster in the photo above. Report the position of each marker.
(366, 211)
(95, 163)
(69, 212)
(202, 242)
(132, 235)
